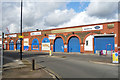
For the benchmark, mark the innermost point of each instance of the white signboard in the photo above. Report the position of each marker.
(104, 52)
(51, 36)
(45, 46)
(115, 45)
(65, 46)
(13, 35)
(35, 33)
(0, 36)
(11, 41)
(6, 41)
(4, 45)
(97, 27)
(0, 42)
(26, 42)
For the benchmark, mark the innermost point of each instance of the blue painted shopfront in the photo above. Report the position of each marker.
(11, 45)
(18, 44)
(73, 44)
(35, 44)
(58, 45)
(103, 43)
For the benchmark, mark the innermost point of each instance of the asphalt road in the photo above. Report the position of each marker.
(71, 65)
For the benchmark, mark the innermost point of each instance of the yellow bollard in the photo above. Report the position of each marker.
(50, 53)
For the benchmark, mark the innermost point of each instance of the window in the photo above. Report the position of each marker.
(87, 43)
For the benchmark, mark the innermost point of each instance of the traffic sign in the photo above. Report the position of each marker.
(21, 36)
(115, 58)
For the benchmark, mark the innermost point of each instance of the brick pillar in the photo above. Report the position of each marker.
(14, 47)
(82, 47)
(65, 47)
(23, 45)
(6, 46)
(40, 47)
(29, 47)
(52, 47)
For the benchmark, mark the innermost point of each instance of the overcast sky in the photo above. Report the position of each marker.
(47, 15)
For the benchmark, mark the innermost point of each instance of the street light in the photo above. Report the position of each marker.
(21, 34)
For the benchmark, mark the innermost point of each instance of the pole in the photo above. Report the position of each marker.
(21, 33)
(2, 53)
(33, 64)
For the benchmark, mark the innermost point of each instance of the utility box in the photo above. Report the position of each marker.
(115, 57)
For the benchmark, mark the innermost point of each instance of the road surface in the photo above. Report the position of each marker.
(71, 65)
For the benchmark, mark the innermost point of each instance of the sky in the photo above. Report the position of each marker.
(56, 14)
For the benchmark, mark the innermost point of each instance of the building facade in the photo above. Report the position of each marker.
(83, 39)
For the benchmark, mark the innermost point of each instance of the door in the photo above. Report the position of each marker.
(58, 45)
(11, 45)
(18, 44)
(74, 44)
(103, 43)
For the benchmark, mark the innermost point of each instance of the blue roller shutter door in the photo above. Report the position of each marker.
(101, 42)
(35, 44)
(18, 44)
(11, 45)
(73, 45)
(58, 45)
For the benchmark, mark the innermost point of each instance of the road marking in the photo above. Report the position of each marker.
(104, 63)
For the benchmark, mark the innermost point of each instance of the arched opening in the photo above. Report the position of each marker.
(11, 45)
(18, 44)
(73, 44)
(45, 44)
(35, 44)
(58, 45)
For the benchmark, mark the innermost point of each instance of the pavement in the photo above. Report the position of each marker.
(23, 69)
(14, 69)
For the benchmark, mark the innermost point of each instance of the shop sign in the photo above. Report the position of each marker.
(35, 33)
(13, 35)
(21, 36)
(65, 46)
(45, 46)
(52, 36)
(97, 27)
(115, 57)
(11, 40)
(26, 42)
(104, 52)
(35, 46)
(0, 42)
(6, 41)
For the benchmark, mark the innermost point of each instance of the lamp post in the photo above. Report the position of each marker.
(21, 33)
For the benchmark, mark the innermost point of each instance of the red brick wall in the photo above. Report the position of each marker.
(119, 36)
(115, 30)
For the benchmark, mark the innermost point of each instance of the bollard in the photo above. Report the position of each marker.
(50, 53)
(33, 64)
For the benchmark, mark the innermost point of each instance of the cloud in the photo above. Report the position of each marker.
(102, 9)
(84, 19)
(47, 15)
(33, 13)
(97, 12)
(59, 17)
